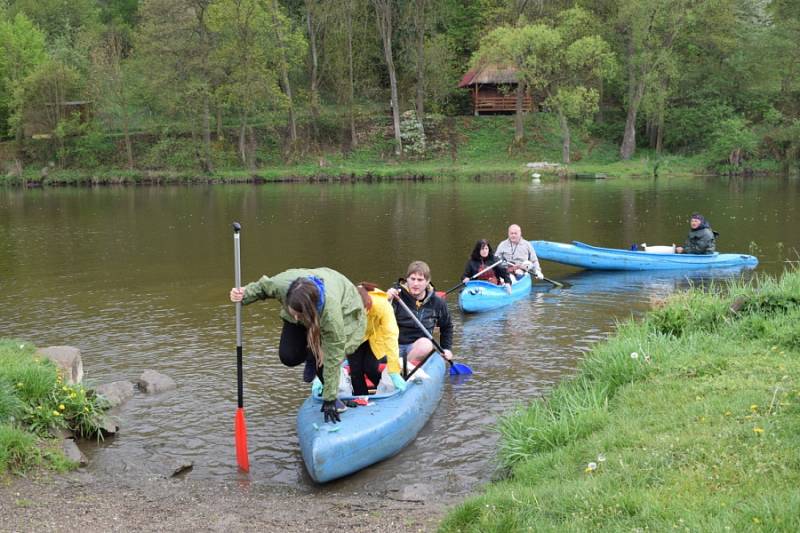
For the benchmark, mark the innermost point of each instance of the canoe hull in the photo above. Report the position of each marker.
(371, 433)
(583, 255)
(478, 296)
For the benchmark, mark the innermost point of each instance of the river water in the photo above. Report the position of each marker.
(138, 278)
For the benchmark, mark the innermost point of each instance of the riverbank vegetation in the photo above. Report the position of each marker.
(688, 419)
(35, 405)
(234, 90)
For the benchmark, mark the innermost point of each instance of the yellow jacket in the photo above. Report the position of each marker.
(382, 331)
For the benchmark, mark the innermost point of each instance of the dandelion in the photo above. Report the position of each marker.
(20, 385)
(85, 409)
(65, 388)
(39, 407)
(727, 413)
(61, 406)
(73, 395)
(56, 413)
(591, 467)
(758, 430)
(634, 355)
(754, 408)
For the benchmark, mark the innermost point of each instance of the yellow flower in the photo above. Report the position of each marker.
(64, 388)
(591, 467)
(61, 406)
(727, 413)
(754, 407)
(20, 385)
(85, 409)
(73, 395)
(758, 431)
(38, 406)
(56, 413)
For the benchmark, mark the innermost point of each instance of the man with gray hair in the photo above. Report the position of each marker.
(519, 254)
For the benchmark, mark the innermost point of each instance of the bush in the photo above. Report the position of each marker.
(18, 450)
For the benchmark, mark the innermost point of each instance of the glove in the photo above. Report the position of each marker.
(331, 414)
(316, 387)
(398, 382)
(539, 275)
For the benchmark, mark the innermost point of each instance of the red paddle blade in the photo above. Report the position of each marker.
(240, 430)
(441, 294)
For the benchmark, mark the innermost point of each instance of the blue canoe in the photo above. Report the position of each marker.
(371, 433)
(593, 257)
(480, 296)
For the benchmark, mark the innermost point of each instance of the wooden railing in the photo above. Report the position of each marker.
(500, 103)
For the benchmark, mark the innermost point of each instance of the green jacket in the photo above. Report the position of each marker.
(700, 241)
(342, 324)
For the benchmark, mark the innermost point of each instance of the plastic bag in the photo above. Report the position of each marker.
(345, 385)
(385, 386)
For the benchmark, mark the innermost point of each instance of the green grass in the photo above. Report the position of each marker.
(698, 431)
(34, 402)
(483, 149)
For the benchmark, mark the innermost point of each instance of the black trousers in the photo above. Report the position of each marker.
(293, 348)
(363, 363)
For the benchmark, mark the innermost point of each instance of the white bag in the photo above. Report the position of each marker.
(345, 385)
(385, 386)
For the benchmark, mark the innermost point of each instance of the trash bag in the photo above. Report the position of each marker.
(345, 385)
(385, 386)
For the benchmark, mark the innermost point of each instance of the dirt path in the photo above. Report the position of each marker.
(81, 502)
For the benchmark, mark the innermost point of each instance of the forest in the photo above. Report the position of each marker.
(215, 85)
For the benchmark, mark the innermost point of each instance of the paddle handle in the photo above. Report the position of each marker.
(237, 268)
(487, 269)
(554, 282)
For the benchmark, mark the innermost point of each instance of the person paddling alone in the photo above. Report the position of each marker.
(701, 239)
(480, 260)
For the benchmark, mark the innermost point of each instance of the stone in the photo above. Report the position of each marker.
(181, 467)
(115, 392)
(108, 425)
(416, 492)
(152, 382)
(73, 453)
(68, 361)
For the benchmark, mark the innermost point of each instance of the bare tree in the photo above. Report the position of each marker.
(384, 11)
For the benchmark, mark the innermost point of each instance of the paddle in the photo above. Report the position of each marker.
(554, 282)
(441, 294)
(455, 368)
(240, 429)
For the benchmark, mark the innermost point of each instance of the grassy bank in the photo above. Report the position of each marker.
(689, 420)
(457, 148)
(34, 405)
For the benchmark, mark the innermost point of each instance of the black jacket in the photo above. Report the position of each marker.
(473, 267)
(432, 311)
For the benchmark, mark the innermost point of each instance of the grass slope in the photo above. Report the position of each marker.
(687, 420)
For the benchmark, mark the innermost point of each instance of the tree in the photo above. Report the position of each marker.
(22, 50)
(384, 12)
(291, 46)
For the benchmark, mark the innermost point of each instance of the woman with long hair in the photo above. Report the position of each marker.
(481, 258)
(324, 321)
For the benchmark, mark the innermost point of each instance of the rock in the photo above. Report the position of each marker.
(115, 392)
(181, 467)
(152, 382)
(108, 425)
(416, 492)
(67, 359)
(60, 433)
(73, 453)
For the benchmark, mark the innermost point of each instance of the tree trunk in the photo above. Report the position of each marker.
(312, 41)
(419, 23)
(208, 166)
(351, 88)
(565, 137)
(383, 10)
(628, 146)
(285, 83)
(127, 135)
(519, 132)
(243, 140)
(220, 134)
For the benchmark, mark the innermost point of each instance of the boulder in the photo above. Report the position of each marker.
(115, 392)
(73, 453)
(108, 426)
(152, 382)
(67, 359)
(181, 467)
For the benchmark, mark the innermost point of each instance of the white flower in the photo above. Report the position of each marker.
(601, 458)
(21, 346)
(591, 467)
(634, 355)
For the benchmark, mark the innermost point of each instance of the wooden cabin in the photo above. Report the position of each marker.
(494, 90)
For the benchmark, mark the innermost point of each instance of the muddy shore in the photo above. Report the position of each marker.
(80, 501)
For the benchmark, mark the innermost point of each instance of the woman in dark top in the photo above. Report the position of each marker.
(481, 258)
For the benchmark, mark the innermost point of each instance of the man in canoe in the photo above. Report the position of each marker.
(519, 254)
(701, 238)
(418, 294)
(324, 320)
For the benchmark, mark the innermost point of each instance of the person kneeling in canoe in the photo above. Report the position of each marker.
(519, 254)
(418, 294)
(380, 343)
(479, 266)
(701, 238)
(323, 321)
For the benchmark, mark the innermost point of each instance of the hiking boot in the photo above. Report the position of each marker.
(310, 371)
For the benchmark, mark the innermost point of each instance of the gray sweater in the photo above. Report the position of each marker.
(517, 253)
